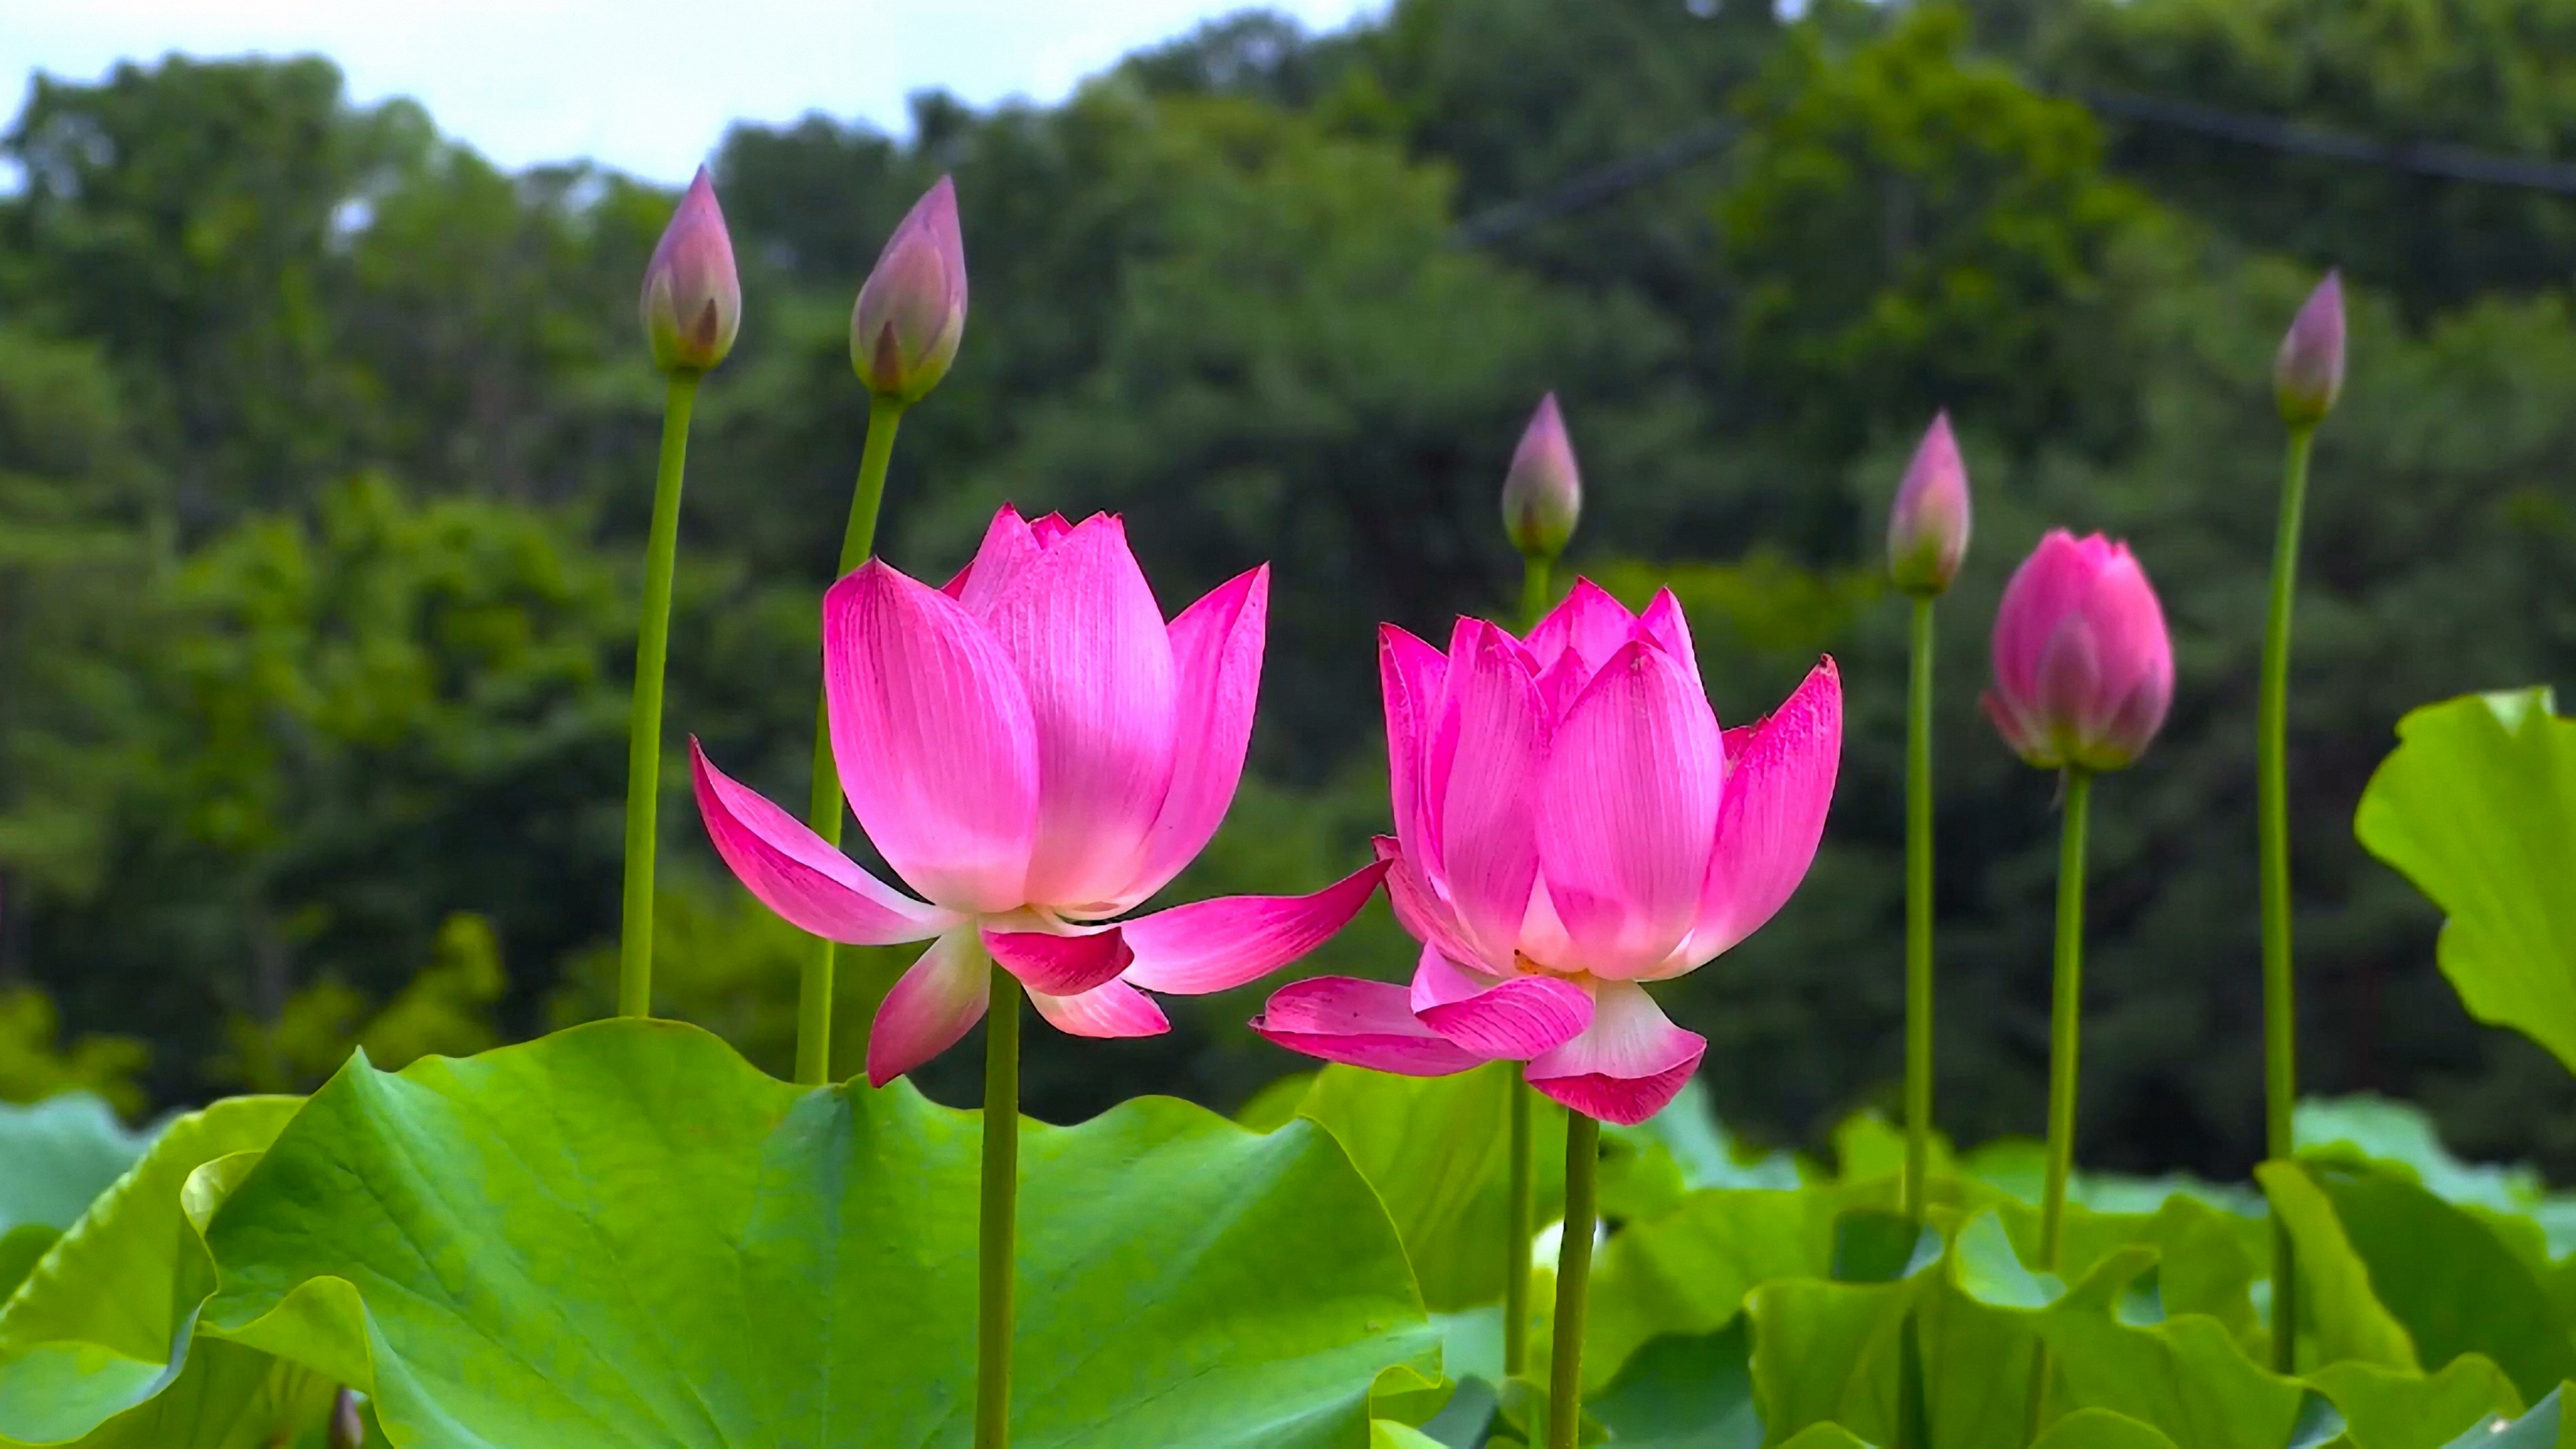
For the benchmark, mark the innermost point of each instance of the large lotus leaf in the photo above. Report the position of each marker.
(1684, 1392)
(2539, 1429)
(229, 1396)
(1436, 1149)
(2388, 1133)
(2341, 1312)
(1826, 1436)
(1826, 1353)
(20, 1247)
(1387, 1434)
(2019, 1165)
(2385, 1409)
(58, 1154)
(2477, 806)
(2100, 1429)
(94, 1329)
(624, 1234)
(1688, 1270)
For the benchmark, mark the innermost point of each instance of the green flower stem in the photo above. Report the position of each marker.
(999, 1218)
(2065, 1018)
(2272, 804)
(1573, 1281)
(1518, 1220)
(644, 720)
(1918, 917)
(825, 812)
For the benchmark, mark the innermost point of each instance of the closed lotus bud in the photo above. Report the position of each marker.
(911, 311)
(348, 1427)
(692, 302)
(1543, 492)
(1927, 529)
(2083, 667)
(2307, 377)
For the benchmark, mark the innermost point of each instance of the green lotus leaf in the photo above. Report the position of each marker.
(1688, 1271)
(1388, 1434)
(2343, 1315)
(2100, 1429)
(2477, 806)
(1825, 1436)
(1684, 1392)
(20, 1247)
(58, 1154)
(102, 1322)
(2386, 1409)
(2539, 1429)
(624, 1234)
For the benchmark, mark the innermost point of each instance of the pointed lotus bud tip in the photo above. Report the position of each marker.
(1543, 492)
(2307, 376)
(692, 300)
(1927, 527)
(911, 311)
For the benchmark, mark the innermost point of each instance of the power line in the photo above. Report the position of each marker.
(1604, 184)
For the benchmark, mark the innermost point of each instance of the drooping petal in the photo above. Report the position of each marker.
(1216, 662)
(1487, 818)
(1008, 547)
(1081, 628)
(1111, 1009)
(1221, 944)
(1062, 965)
(1411, 677)
(1361, 1024)
(1778, 788)
(1626, 1065)
(1514, 1018)
(935, 1002)
(1420, 909)
(933, 739)
(1627, 812)
(798, 874)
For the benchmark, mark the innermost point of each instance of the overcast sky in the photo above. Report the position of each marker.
(644, 85)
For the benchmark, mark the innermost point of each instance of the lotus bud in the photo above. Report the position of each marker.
(911, 311)
(1927, 529)
(692, 302)
(2083, 666)
(348, 1428)
(2307, 377)
(1543, 491)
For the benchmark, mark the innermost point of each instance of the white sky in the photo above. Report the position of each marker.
(645, 85)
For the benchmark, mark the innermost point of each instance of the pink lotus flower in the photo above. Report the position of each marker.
(1570, 822)
(1034, 751)
(2083, 667)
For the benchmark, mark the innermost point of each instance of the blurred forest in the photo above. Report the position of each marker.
(326, 447)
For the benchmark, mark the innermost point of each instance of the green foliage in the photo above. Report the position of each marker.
(61, 1152)
(33, 1067)
(2478, 807)
(838, 1226)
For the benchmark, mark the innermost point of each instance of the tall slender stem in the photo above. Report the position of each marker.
(1519, 1223)
(2065, 1018)
(999, 1221)
(1520, 1219)
(1918, 917)
(1573, 1282)
(644, 720)
(823, 813)
(2272, 806)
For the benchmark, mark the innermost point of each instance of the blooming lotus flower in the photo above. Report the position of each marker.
(692, 300)
(1927, 527)
(1570, 822)
(2307, 373)
(2083, 667)
(1543, 489)
(1034, 751)
(911, 312)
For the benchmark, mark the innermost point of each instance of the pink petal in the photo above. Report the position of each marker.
(2051, 583)
(1110, 1009)
(1419, 908)
(1216, 661)
(796, 873)
(1081, 627)
(1589, 624)
(1663, 623)
(1627, 812)
(1513, 1019)
(1008, 547)
(1777, 790)
(1626, 1065)
(1061, 965)
(1412, 677)
(1220, 944)
(1050, 529)
(932, 737)
(1489, 857)
(933, 1005)
(1360, 1023)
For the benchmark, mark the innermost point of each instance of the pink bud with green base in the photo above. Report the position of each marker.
(692, 299)
(1543, 492)
(2083, 665)
(2307, 376)
(911, 311)
(1927, 528)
